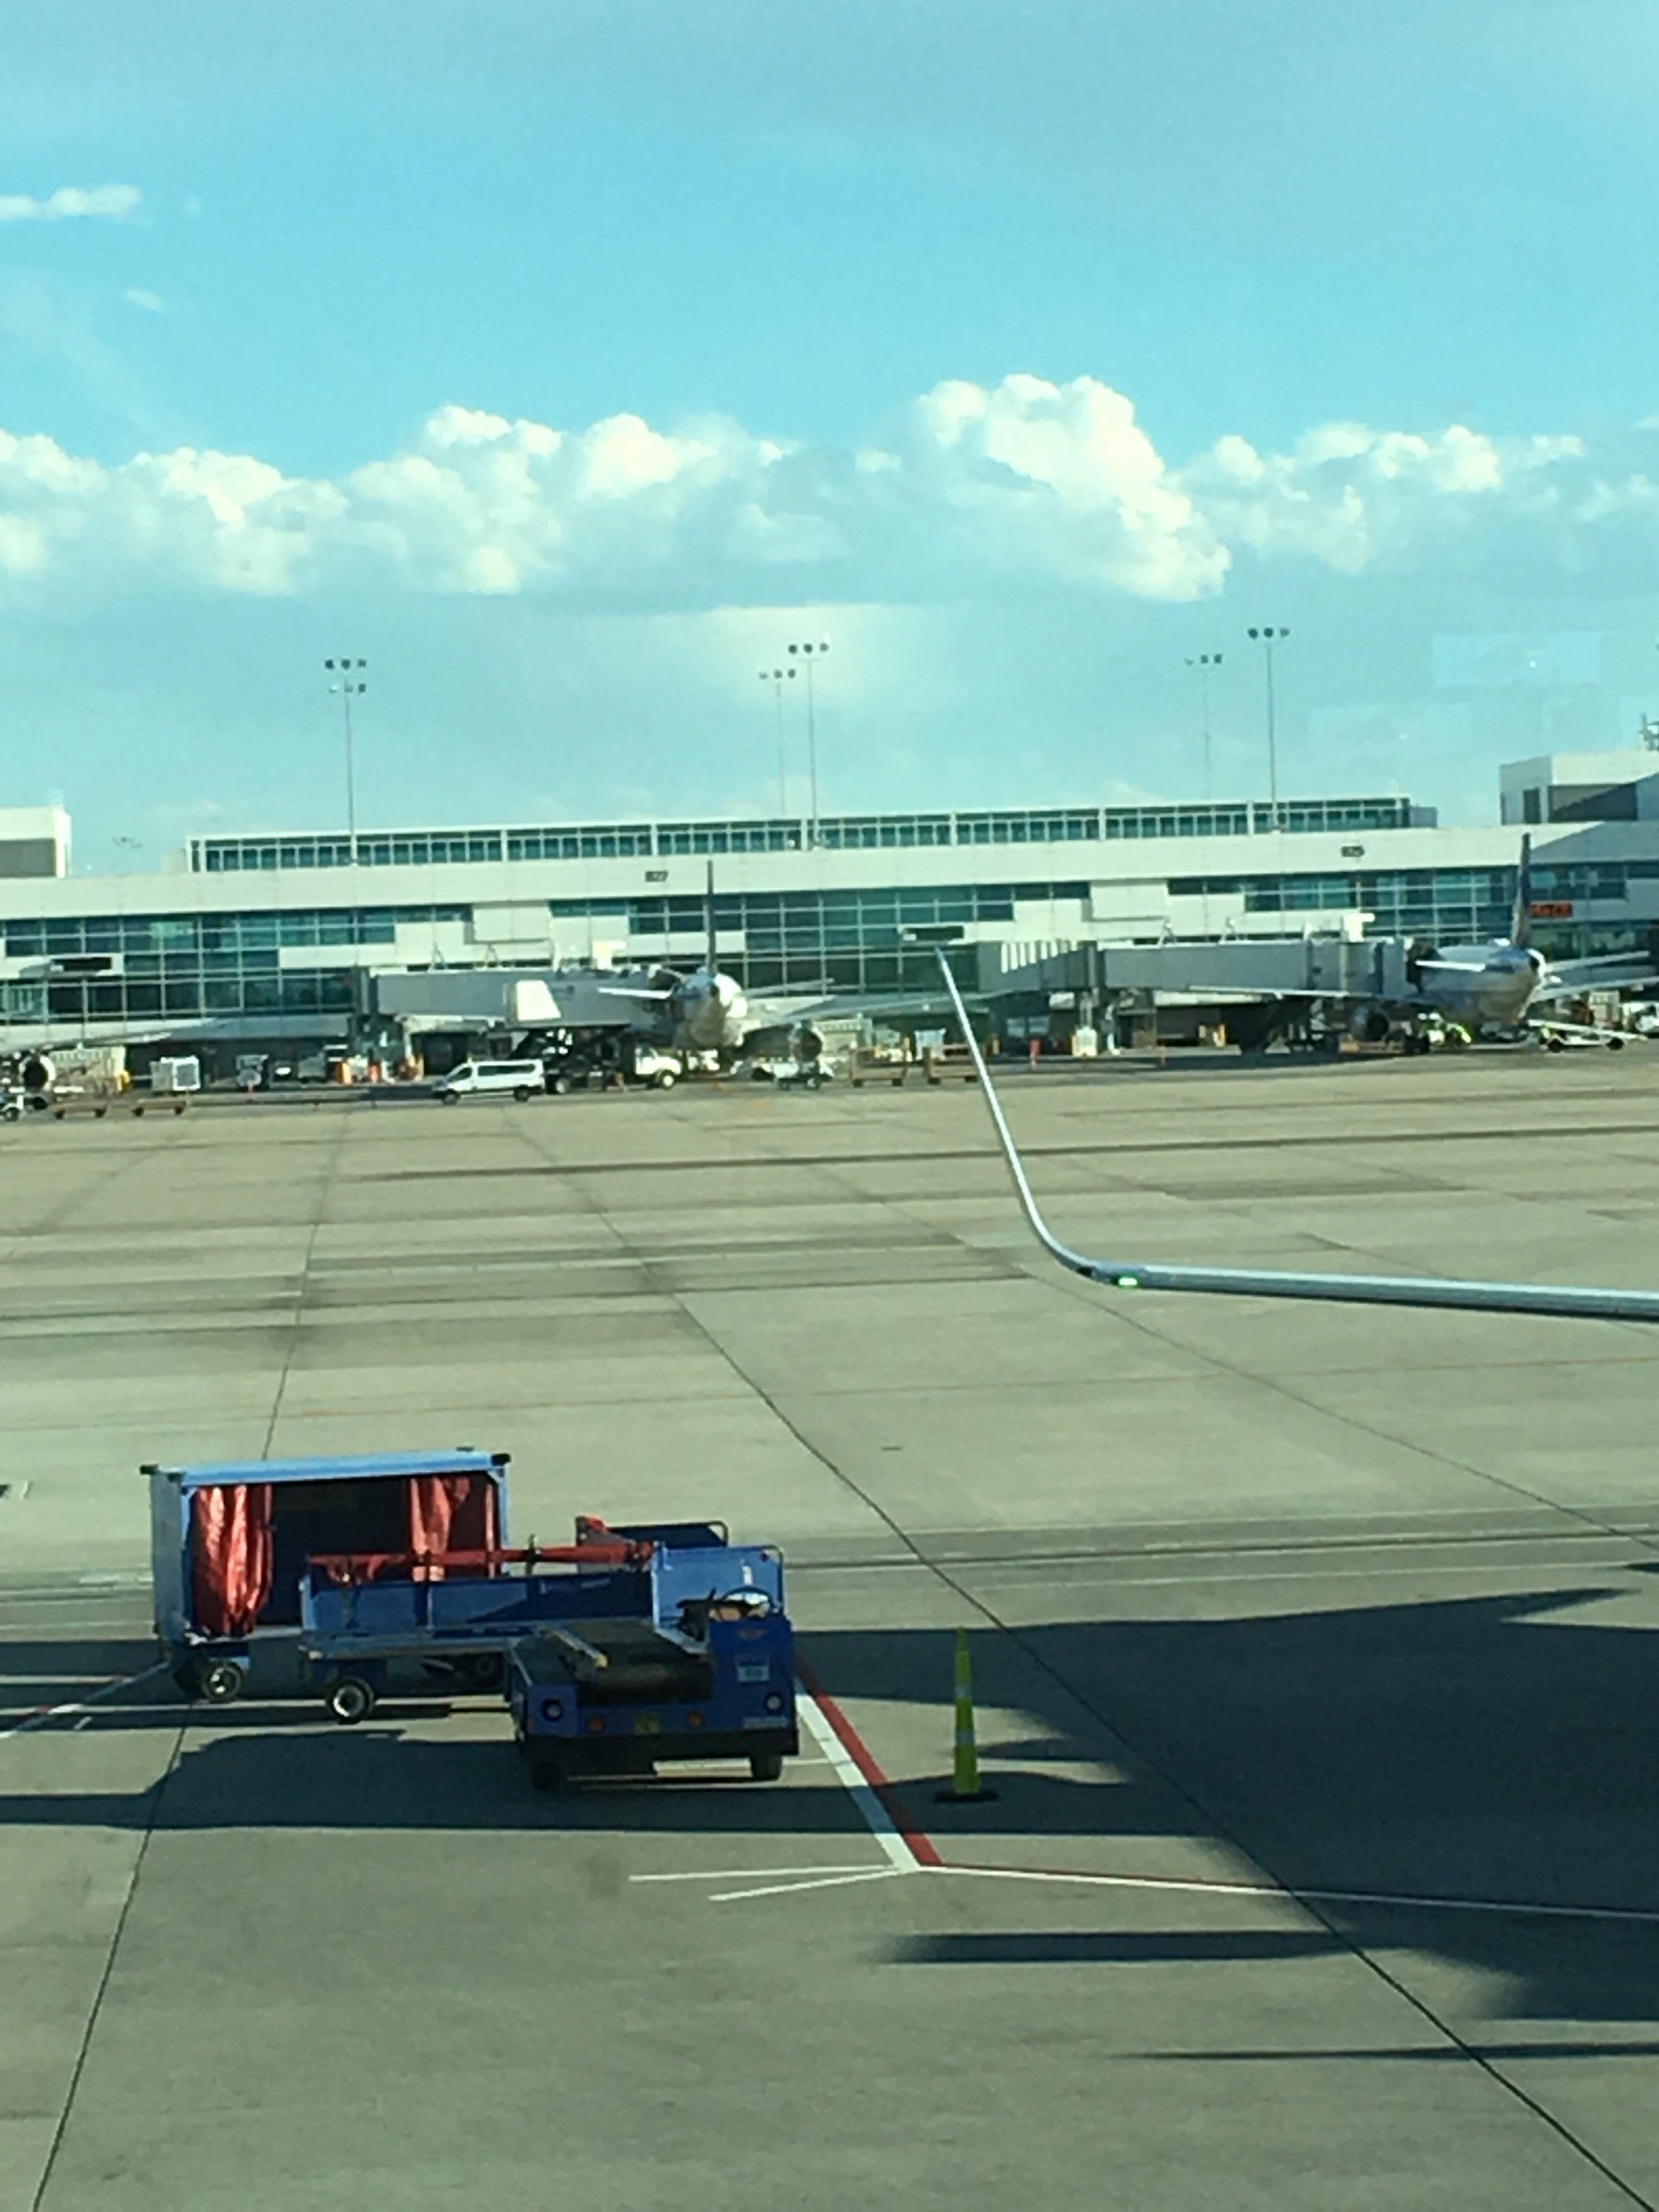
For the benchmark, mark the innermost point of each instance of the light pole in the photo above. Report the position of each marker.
(1204, 662)
(346, 678)
(808, 653)
(776, 678)
(1270, 640)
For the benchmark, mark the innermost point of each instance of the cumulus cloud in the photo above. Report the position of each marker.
(1022, 486)
(71, 203)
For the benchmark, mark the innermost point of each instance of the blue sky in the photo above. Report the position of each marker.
(388, 272)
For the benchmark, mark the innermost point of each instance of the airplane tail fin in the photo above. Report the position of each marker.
(1520, 921)
(709, 920)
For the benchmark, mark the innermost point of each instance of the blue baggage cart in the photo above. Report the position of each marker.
(361, 1612)
(230, 1542)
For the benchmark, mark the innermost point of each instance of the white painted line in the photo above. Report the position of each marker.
(1517, 1909)
(794, 1888)
(846, 1773)
(80, 1704)
(750, 1874)
(1319, 1571)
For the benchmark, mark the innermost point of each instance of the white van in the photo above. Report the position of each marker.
(473, 1079)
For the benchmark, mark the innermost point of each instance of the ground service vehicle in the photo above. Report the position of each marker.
(661, 1070)
(176, 1075)
(230, 1542)
(681, 1650)
(515, 1079)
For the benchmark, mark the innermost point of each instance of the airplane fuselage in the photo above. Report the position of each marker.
(710, 1013)
(1483, 985)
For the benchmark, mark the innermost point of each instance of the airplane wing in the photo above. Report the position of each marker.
(1244, 1282)
(1568, 978)
(787, 1013)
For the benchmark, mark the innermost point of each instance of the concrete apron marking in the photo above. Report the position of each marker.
(903, 1846)
(42, 1714)
(1402, 1901)
(907, 1850)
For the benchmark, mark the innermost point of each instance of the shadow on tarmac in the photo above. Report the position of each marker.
(1484, 1749)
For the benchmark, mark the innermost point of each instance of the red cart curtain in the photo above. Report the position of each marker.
(232, 1549)
(451, 1513)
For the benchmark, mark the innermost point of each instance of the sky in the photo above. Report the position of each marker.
(568, 361)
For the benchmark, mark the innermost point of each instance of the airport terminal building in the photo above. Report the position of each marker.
(280, 938)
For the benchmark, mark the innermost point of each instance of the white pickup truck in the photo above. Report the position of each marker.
(661, 1070)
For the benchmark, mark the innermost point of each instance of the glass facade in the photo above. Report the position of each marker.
(192, 966)
(1293, 816)
(836, 833)
(219, 856)
(680, 837)
(622, 841)
(877, 940)
(1450, 905)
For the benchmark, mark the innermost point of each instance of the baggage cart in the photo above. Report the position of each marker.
(230, 1542)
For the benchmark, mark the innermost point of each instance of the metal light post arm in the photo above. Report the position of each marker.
(1586, 1303)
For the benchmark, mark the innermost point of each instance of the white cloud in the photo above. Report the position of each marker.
(1016, 487)
(70, 203)
(148, 303)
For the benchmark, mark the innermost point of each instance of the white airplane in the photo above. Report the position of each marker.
(1583, 1301)
(1497, 985)
(708, 1011)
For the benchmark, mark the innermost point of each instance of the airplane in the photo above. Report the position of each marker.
(1586, 1302)
(1492, 986)
(708, 1013)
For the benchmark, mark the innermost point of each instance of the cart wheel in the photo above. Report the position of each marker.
(220, 1681)
(350, 1700)
(546, 1773)
(483, 1670)
(766, 1766)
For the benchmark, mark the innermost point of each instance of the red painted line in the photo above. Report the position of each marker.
(920, 1845)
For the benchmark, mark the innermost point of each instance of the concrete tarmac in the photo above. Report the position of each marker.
(1316, 1647)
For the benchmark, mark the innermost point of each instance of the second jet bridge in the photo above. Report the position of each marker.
(1245, 968)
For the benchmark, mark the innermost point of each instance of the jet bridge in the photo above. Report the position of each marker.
(1244, 967)
(511, 998)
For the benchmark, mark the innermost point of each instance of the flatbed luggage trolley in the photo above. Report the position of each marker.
(680, 1650)
(455, 1611)
(231, 1543)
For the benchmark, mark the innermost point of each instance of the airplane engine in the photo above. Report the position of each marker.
(36, 1071)
(1369, 1025)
